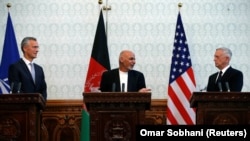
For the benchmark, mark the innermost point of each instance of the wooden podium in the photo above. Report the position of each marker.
(218, 108)
(20, 117)
(114, 115)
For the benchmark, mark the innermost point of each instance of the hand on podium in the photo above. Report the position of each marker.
(145, 90)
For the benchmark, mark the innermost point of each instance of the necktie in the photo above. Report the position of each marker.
(219, 77)
(123, 87)
(32, 71)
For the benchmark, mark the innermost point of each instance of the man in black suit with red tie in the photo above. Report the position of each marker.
(231, 79)
(124, 78)
(26, 76)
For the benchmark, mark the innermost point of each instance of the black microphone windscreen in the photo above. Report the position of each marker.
(220, 87)
(113, 87)
(123, 87)
(19, 87)
(227, 85)
(11, 87)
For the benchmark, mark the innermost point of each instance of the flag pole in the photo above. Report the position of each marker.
(107, 7)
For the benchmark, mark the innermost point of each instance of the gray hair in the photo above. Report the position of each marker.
(226, 51)
(26, 40)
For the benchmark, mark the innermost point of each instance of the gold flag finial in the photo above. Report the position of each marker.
(8, 5)
(100, 1)
(179, 5)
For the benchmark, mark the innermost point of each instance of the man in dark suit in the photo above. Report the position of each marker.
(124, 78)
(20, 73)
(231, 79)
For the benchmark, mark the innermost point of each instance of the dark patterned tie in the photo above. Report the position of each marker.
(219, 77)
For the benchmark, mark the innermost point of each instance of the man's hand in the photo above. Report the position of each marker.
(143, 90)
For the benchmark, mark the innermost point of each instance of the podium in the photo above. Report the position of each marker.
(114, 115)
(20, 116)
(221, 108)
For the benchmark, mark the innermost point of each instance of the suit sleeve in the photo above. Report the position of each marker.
(12, 74)
(44, 86)
(103, 83)
(141, 81)
(13, 77)
(236, 83)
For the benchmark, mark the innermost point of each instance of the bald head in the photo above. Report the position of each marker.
(126, 60)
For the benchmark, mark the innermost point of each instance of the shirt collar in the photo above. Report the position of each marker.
(224, 69)
(26, 61)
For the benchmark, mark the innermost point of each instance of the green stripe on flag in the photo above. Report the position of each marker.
(85, 126)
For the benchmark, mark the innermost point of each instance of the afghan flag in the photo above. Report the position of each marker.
(85, 125)
(99, 61)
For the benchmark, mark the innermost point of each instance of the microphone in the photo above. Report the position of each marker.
(11, 87)
(227, 86)
(220, 87)
(123, 87)
(113, 87)
(19, 87)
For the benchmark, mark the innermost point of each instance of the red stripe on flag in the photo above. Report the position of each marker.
(191, 75)
(183, 86)
(171, 117)
(179, 105)
(94, 75)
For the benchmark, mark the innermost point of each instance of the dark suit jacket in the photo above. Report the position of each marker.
(136, 81)
(232, 76)
(19, 73)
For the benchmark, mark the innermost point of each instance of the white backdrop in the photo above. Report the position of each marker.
(65, 30)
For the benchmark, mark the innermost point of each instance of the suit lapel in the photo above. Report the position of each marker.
(130, 81)
(27, 70)
(117, 81)
(226, 74)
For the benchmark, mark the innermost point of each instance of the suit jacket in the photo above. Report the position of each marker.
(136, 81)
(19, 73)
(232, 76)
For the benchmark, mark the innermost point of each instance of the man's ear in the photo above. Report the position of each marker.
(121, 59)
(228, 58)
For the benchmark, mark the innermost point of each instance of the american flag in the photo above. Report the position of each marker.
(181, 81)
